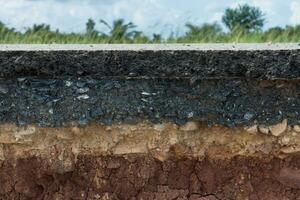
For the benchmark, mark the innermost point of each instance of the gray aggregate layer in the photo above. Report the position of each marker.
(55, 102)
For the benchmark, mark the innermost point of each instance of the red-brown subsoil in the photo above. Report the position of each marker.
(143, 177)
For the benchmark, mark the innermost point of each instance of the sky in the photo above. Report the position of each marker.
(150, 16)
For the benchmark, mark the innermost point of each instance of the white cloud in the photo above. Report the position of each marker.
(162, 16)
(217, 17)
(295, 9)
(266, 5)
(138, 17)
(120, 8)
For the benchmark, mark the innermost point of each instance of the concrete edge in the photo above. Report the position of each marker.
(152, 47)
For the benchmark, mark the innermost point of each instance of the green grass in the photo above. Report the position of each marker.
(41, 34)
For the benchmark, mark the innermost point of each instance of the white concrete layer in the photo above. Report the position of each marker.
(152, 47)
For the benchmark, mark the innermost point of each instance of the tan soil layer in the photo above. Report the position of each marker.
(150, 161)
(197, 140)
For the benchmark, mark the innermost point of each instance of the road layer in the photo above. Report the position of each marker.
(56, 102)
(51, 85)
(155, 61)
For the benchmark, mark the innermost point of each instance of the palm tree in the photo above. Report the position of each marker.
(5, 29)
(244, 17)
(90, 28)
(120, 31)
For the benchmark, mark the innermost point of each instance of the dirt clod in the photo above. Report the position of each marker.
(289, 177)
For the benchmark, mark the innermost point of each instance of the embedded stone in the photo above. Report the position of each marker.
(159, 155)
(82, 90)
(297, 128)
(83, 97)
(263, 129)
(290, 149)
(279, 128)
(189, 126)
(25, 131)
(76, 131)
(159, 127)
(252, 129)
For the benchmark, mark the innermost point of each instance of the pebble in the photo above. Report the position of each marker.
(25, 131)
(159, 127)
(146, 93)
(144, 100)
(83, 97)
(279, 128)
(68, 83)
(190, 115)
(285, 140)
(248, 116)
(290, 149)
(297, 128)
(21, 79)
(263, 129)
(51, 111)
(108, 128)
(252, 129)
(159, 155)
(75, 130)
(189, 126)
(3, 90)
(82, 90)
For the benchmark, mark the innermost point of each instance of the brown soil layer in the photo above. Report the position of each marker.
(150, 161)
(144, 177)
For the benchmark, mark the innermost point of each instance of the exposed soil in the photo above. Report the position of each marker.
(196, 125)
(143, 177)
(192, 140)
(148, 161)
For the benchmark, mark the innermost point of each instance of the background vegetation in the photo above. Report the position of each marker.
(244, 24)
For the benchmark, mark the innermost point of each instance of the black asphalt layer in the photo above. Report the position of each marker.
(260, 64)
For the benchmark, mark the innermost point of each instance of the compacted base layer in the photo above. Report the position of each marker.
(144, 177)
(57, 102)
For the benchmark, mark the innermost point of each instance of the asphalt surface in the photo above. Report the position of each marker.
(264, 62)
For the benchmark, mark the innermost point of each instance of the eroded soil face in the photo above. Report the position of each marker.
(149, 161)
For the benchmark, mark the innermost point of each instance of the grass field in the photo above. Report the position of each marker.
(208, 33)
